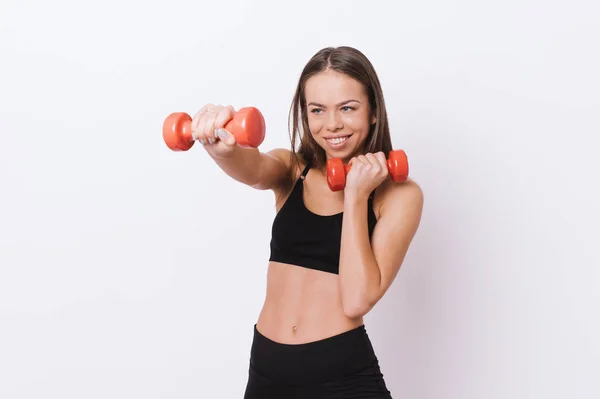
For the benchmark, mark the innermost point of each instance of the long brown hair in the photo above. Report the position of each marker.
(355, 64)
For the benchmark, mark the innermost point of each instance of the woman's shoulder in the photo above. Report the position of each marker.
(281, 153)
(399, 198)
(294, 165)
(294, 162)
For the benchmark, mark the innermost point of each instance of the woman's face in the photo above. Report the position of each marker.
(339, 115)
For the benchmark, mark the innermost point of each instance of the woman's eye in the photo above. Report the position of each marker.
(316, 110)
(347, 108)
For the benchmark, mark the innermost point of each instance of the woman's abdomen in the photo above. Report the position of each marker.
(302, 305)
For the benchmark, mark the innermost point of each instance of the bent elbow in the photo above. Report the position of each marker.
(355, 309)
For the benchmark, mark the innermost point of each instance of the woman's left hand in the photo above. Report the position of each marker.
(367, 172)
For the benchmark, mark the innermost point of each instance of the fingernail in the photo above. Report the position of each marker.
(222, 133)
(211, 140)
(202, 141)
(216, 132)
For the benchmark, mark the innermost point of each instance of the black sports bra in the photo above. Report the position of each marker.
(302, 238)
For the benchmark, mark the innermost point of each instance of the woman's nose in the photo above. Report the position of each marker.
(334, 121)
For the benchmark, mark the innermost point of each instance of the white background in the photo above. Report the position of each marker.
(130, 271)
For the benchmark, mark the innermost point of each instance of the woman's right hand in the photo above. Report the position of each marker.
(208, 128)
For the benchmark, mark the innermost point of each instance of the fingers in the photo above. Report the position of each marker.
(375, 164)
(208, 125)
(358, 162)
(199, 122)
(367, 173)
(368, 161)
(225, 137)
(224, 115)
(208, 119)
(380, 160)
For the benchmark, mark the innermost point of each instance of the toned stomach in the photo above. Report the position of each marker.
(302, 305)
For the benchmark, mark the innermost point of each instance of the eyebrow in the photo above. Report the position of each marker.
(337, 105)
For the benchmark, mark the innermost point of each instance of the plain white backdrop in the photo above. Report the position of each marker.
(130, 271)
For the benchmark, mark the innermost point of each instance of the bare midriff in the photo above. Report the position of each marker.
(302, 305)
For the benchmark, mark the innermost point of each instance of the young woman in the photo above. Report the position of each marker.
(334, 254)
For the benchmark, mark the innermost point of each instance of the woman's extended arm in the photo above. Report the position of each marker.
(250, 166)
(260, 170)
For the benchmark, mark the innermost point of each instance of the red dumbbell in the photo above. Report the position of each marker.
(247, 126)
(397, 163)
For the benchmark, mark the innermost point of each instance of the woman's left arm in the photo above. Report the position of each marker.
(367, 269)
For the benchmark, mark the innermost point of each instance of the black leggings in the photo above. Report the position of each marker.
(343, 366)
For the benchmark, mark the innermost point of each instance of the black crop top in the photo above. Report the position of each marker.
(302, 238)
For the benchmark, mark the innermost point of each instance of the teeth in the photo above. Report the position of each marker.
(337, 140)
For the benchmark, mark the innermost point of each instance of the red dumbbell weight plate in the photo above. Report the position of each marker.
(177, 131)
(398, 165)
(248, 126)
(336, 174)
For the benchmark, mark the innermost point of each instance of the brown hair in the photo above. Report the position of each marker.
(352, 62)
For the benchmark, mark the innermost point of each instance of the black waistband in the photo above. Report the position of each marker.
(314, 362)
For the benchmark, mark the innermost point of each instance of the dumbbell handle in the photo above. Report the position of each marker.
(247, 126)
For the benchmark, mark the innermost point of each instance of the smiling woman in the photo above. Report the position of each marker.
(334, 254)
(339, 125)
(339, 101)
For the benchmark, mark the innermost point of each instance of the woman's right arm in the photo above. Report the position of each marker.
(259, 170)
(250, 166)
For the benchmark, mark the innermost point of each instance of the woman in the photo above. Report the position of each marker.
(334, 254)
